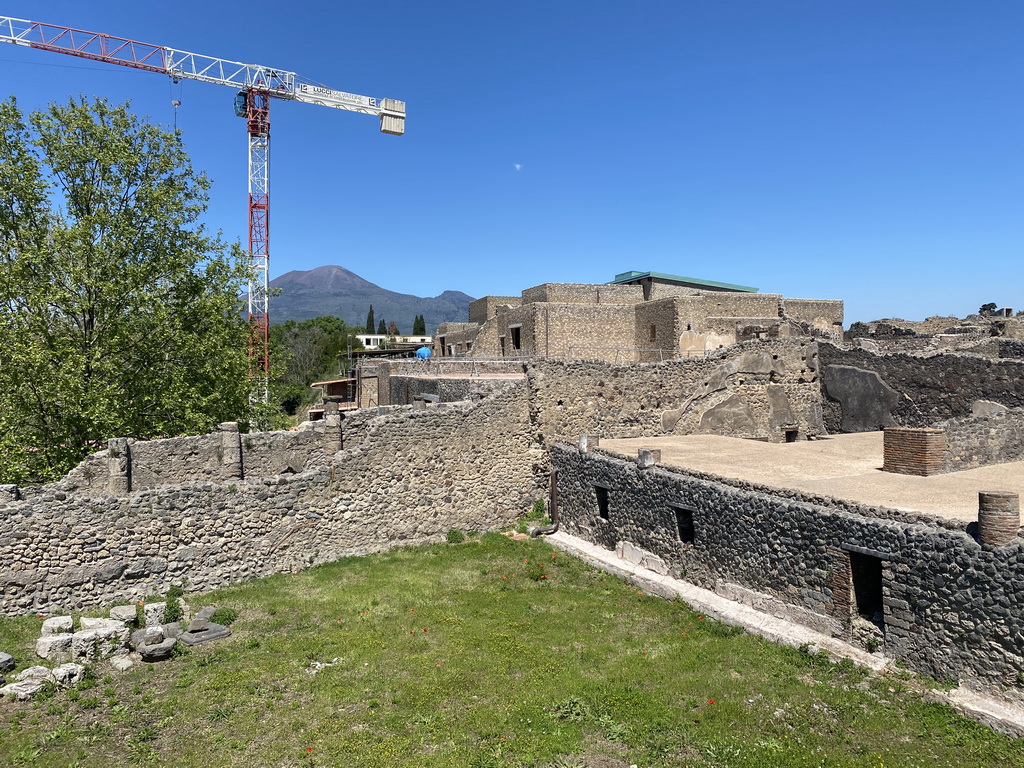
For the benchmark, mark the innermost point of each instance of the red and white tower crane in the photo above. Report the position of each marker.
(256, 85)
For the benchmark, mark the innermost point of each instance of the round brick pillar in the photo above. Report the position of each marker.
(998, 517)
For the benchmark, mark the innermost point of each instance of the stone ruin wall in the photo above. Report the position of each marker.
(483, 309)
(951, 605)
(754, 389)
(583, 293)
(404, 477)
(978, 441)
(866, 391)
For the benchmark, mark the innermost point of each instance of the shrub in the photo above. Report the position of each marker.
(224, 616)
(455, 536)
(172, 611)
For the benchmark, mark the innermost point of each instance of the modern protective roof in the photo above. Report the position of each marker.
(632, 276)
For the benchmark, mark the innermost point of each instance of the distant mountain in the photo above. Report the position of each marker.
(334, 290)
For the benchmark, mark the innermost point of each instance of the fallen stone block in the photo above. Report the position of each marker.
(67, 675)
(57, 625)
(6, 662)
(24, 690)
(85, 645)
(153, 613)
(209, 631)
(206, 612)
(33, 673)
(159, 651)
(111, 634)
(122, 663)
(125, 613)
(55, 647)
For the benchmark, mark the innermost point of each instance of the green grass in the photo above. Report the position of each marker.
(488, 654)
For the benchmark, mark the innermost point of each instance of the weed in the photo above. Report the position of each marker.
(572, 710)
(225, 616)
(179, 649)
(172, 610)
(455, 536)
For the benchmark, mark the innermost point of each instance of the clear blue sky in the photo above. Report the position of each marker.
(868, 150)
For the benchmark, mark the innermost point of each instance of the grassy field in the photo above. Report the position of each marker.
(489, 653)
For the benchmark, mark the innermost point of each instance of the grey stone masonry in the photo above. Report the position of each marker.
(926, 591)
(119, 462)
(231, 448)
(402, 478)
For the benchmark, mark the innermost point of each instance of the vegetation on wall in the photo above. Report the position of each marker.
(119, 311)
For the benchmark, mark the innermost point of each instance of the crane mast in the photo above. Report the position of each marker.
(256, 85)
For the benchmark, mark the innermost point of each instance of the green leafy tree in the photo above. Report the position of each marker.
(393, 329)
(381, 328)
(987, 309)
(311, 350)
(369, 321)
(419, 326)
(119, 312)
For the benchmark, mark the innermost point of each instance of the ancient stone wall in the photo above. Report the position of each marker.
(949, 606)
(977, 441)
(482, 310)
(405, 389)
(824, 315)
(758, 389)
(583, 293)
(657, 328)
(404, 477)
(866, 391)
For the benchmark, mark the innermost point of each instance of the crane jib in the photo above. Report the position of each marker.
(327, 96)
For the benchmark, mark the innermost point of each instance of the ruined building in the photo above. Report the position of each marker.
(638, 317)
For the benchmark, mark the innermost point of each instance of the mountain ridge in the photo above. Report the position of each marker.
(331, 289)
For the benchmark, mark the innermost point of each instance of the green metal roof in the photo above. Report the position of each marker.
(629, 277)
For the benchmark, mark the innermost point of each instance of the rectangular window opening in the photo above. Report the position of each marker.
(654, 333)
(684, 524)
(517, 340)
(602, 501)
(867, 586)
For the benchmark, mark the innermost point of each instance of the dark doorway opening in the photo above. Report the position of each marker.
(517, 340)
(792, 435)
(867, 586)
(602, 501)
(684, 524)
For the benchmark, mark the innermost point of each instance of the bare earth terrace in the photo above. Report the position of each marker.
(841, 466)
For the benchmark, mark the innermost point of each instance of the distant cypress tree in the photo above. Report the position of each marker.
(419, 326)
(393, 329)
(369, 320)
(381, 328)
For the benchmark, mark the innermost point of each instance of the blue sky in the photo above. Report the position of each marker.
(868, 150)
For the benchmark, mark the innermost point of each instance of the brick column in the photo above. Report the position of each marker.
(998, 517)
(909, 451)
(119, 465)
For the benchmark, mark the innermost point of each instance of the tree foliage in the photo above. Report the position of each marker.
(419, 326)
(310, 351)
(119, 312)
(987, 309)
(381, 328)
(370, 327)
(393, 329)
